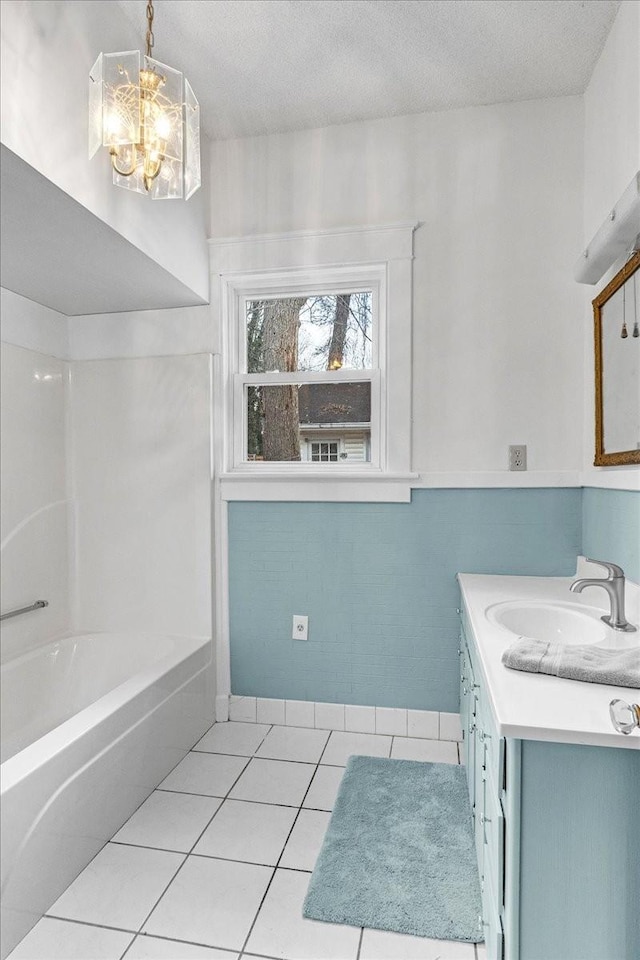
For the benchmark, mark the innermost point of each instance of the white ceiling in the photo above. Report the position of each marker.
(266, 66)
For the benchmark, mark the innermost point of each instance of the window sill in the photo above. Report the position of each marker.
(313, 485)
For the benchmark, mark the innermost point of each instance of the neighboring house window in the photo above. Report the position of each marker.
(315, 384)
(324, 451)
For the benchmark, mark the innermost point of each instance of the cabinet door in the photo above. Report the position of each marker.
(467, 711)
(464, 702)
(494, 837)
(479, 796)
(492, 923)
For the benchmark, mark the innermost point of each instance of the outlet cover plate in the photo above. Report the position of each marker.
(518, 456)
(300, 627)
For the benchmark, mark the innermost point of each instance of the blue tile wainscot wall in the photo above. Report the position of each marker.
(378, 584)
(611, 528)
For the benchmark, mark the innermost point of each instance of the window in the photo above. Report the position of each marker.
(300, 356)
(324, 451)
(315, 386)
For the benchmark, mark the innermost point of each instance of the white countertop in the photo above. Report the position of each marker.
(533, 706)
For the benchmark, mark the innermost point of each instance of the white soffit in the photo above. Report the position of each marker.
(267, 66)
(56, 252)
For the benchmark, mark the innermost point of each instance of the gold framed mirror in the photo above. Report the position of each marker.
(617, 353)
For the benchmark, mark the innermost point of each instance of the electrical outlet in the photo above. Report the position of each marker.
(300, 627)
(518, 457)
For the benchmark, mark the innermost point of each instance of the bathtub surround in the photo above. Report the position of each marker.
(141, 448)
(36, 510)
(117, 450)
(106, 472)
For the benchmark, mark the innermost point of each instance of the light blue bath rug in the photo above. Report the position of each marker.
(399, 852)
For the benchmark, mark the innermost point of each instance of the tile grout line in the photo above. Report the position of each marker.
(138, 932)
(322, 753)
(243, 953)
(264, 803)
(198, 838)
(191, 943)
(55, 916)
(226, 797)
(255, 919)
(101, 926)
(190, 852)
(84, 923)
(213, 856)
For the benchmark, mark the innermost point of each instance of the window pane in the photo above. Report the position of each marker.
(324, 452)
(309, 333)
(314, 422)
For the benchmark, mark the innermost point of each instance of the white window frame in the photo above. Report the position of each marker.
(280, 266)
(304, 283)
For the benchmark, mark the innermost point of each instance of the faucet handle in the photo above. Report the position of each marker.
(612, 569)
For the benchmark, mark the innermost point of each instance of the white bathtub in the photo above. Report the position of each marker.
(90, 726)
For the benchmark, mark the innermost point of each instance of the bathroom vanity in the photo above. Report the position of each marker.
(554, 789)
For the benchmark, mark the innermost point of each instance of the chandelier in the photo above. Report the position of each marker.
(149, 119)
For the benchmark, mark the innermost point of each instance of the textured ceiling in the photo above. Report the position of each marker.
(265, 66)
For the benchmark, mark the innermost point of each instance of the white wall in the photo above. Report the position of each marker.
(612, 119)
(35, 509)
(46, 54)
(141, 452)
(612, 158)
(141, 333)
(497, 316)
(28, 324)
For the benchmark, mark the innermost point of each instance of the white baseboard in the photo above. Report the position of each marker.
(392, 721)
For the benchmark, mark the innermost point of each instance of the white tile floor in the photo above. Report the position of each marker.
(215, 863)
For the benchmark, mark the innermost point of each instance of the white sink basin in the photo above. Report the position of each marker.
(563, 622)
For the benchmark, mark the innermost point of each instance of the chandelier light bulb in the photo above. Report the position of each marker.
(163, 127)
(148, 118)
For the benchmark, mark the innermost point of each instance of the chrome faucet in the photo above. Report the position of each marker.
(614, 585)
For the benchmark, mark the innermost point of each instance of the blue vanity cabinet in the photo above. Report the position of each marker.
(482, 751)
(557, 829)
(468, 707)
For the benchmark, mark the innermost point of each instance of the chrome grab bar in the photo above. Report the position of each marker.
(33, 606)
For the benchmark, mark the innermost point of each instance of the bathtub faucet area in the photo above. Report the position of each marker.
(613, 583)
